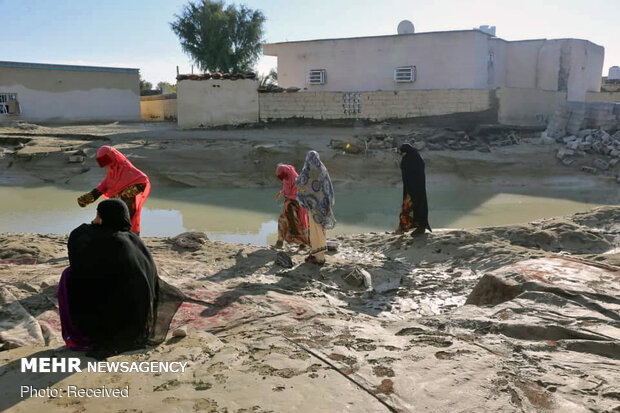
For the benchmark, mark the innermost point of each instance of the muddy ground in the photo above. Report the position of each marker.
(246, 157)
(516, 318)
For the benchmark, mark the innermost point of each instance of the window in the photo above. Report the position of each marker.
(404, 74)
(8, 103)
(317, 77)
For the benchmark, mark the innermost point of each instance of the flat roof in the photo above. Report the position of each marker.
(383, 36)
(417, 34)
(75, 68)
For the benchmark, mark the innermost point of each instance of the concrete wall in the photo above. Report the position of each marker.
(569, 65)
(443, 60)
(58, 93)
(202, 103)
(603, 97)
(527, 107)
(159, 108)
(372, 105)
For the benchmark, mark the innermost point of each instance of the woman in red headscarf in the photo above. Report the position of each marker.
(293, 221)
(124, 181)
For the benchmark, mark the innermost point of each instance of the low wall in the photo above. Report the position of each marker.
(203, 103)
(158, 108)
(373, 105)
(527, 107)
(603, 97)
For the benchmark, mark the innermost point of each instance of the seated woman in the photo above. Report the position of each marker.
(110, 298)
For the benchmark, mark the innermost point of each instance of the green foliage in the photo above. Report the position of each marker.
(144, 85)
(162, 86)
(270, 80)
(220, 39)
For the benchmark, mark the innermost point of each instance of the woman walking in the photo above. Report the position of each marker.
(414, 211)
(124, 181)
(293, 221)
(316, 194)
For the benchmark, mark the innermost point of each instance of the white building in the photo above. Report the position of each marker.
(467, 59)
(67, 93)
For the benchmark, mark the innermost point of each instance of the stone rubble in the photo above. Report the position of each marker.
(428, 138)
(596, 149)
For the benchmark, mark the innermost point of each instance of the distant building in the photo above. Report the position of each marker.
(68, 93)
(467, 59)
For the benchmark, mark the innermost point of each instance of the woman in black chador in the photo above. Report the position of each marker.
(110, 298)
(414, 212)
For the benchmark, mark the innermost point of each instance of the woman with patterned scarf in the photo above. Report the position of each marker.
(316, 194)
(124, 181)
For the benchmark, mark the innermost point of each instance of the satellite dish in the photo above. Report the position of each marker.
(405, 27)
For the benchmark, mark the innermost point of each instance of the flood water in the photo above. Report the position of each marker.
(249, 216)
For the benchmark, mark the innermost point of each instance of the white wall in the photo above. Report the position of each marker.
(203, 103)
(77, 105)
(539, 64)
(63, 95)
(444, 60)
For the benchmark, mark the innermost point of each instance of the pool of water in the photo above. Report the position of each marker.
(249, 216)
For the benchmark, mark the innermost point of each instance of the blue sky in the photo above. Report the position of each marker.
(136, 33)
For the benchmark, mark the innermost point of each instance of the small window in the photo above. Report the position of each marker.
(317, 77)
(8, 104)
(404, 74)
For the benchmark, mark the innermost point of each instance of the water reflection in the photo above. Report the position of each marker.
(249, 216)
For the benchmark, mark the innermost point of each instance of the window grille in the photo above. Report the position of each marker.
(404, 74)
(6, 107)
(317, 77)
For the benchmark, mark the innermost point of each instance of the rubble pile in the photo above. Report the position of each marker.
(590, 132)
(593, 150)
(430, 139)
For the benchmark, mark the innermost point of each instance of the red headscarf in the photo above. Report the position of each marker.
(287, 174)
(120, 175)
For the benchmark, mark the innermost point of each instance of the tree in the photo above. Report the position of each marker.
(270, 80)
(163, 86)
(144, 85)
(220, 39)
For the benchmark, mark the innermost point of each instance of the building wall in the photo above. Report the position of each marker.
(158, 108)
(372, 105)
(496, 71)
(202, 103)
(569, 65)
(444, 60)
(72, 93)
(526, 106)
(603, 97)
